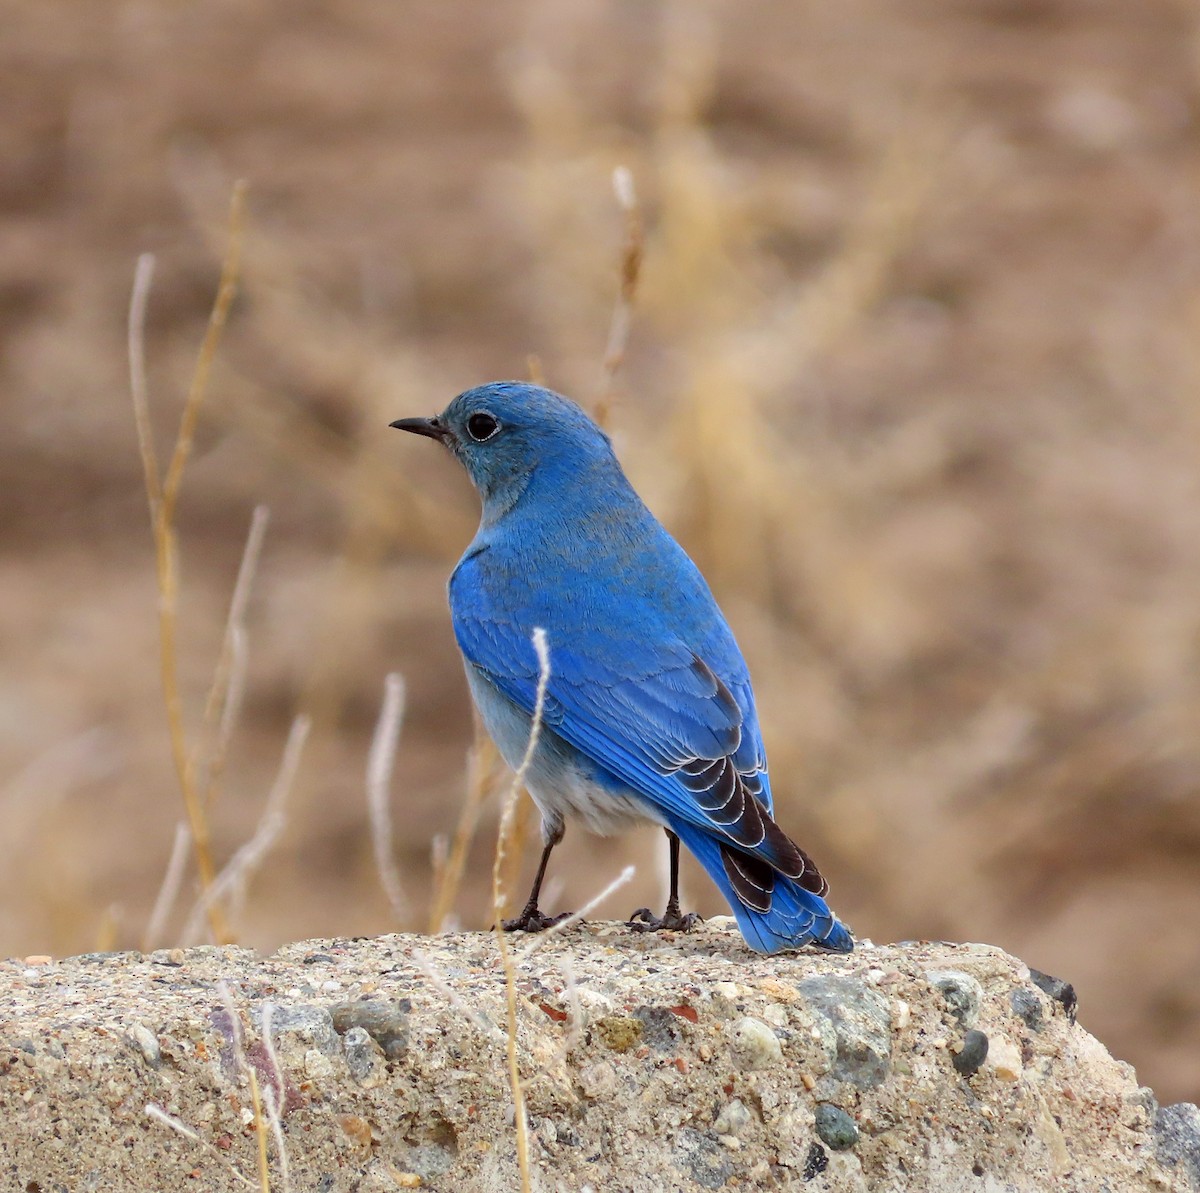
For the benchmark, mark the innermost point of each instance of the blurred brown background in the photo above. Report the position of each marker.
(913, 375)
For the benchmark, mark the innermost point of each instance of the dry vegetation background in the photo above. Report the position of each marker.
(913, 375)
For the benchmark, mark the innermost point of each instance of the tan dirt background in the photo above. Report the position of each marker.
(913, 375)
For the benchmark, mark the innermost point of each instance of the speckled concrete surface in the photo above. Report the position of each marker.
(650, 1062)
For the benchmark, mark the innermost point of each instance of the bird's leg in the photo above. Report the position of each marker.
(644, 920)
(531, 919)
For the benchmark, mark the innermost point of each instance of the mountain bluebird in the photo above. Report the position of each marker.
(648, 713)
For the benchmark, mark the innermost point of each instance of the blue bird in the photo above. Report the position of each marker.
(649, 713)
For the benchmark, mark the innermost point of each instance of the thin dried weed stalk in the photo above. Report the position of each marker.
(265, 1124)
(229, 678)
(163, 496)
(157, 1114)
(381, 761)
(482, 771)
(542, 647)
(234, 878)
(632, 254)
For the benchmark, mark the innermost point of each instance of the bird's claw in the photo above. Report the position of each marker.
(644, 920)
(533, 920)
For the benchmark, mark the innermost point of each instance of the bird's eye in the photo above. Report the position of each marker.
(481, 426)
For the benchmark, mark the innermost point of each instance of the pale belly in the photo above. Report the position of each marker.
(565, 784)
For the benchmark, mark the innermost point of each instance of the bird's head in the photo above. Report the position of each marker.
(506, 431)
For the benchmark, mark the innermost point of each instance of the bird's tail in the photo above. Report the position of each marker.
(786, 916)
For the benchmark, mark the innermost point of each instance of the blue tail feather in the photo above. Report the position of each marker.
(797, 917)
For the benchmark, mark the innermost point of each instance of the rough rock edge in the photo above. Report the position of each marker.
(650, 1062)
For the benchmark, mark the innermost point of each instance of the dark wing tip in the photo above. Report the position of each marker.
(791, 860)
(752, 879)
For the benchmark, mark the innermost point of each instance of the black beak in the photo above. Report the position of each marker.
(429, 427)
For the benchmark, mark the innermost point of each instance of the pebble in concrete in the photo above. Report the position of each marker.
(1027, 1006)
(755, 1045)
(147, 1044)
(733, 1119)
(861, 1021)
(835, 1127)
(972, 1054)
(961, 992)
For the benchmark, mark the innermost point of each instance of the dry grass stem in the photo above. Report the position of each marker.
(275, 1095)
(439, 855)
(574, 918)
(439, 983)
(163, 501)
(247, 1071)
(521, 823)
(226, 290)
(157, 1114)
(380, 763)
(142, 277)
(631, 267)
(108, 928)
(275, 1121)
(571, 989)
(225, 994)
(268, 1037)
(229, 677)
(260, 1132)
(481, 770)
(542, 648)
(235, 876)
(168, 892)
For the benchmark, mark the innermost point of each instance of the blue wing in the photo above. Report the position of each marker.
(674, 723)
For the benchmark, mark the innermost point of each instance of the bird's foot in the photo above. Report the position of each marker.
(532, 920)
(644, 920)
